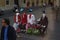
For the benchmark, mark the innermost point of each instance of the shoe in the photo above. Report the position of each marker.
(18, 36)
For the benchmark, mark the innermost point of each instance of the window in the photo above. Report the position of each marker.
(16, 2)
(37, 2)
(24, 1)
(7, 2)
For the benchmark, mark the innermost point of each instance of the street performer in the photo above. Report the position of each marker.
(17, 20)
(30, 20)
(24, 20)
(44, 22)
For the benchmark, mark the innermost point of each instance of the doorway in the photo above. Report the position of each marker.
(16, 2)
(37, 2)
(51, 2)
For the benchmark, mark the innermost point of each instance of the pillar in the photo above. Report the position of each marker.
(47, 2)
(35, 2)
(57, 3)
(11, 2)
(30, 3)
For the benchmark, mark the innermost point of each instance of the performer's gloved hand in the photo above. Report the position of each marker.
(44, 26)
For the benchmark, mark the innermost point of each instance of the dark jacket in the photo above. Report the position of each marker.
(44, 21)
(11, 33)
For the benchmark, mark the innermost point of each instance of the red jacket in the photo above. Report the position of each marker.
(19, 18)
(24, 19)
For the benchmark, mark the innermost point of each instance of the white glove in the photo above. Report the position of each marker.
(44, 26)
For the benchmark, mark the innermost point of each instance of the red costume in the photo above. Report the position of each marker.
(18, 18)
(24, 18)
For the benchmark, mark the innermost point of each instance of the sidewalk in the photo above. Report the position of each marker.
(51, 26)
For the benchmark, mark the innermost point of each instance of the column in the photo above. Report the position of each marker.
(40, 3)
(11, 2)
(30, 3)
(47, 2)
(20, 2)
(57, 3)
(35, 2)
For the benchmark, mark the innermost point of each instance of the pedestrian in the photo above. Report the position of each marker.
(30, 22)
(7, 31)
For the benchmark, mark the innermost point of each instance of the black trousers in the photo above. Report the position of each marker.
(22, 26)
(44, 29)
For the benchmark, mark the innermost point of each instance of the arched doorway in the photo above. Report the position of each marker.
(23, 3)
(51, 2)
(28, 4)
(16, 3)
(32, 3)
(37, 2)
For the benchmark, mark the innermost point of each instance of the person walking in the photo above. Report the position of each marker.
(7, 31)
